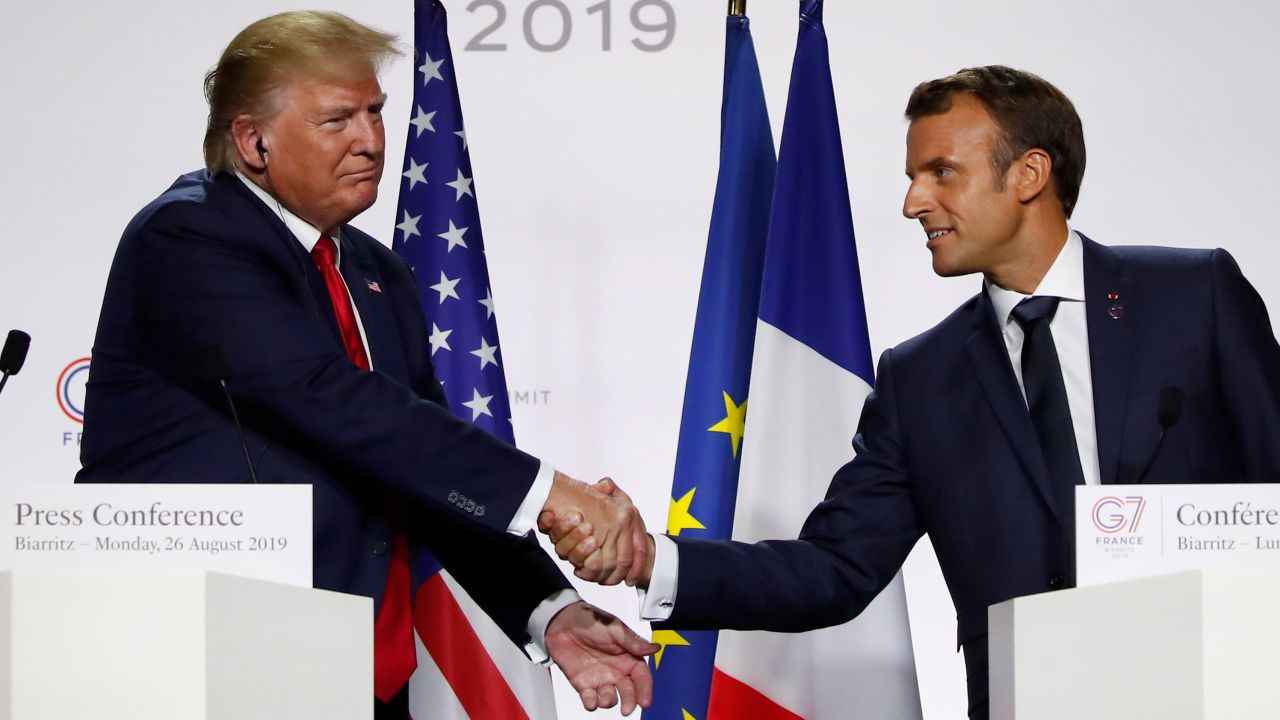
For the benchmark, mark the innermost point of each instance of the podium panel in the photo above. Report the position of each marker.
(198, 645)
(1199, 645)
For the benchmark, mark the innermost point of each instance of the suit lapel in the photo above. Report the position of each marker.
(1109, 315)
(990, 360)
(380, 328)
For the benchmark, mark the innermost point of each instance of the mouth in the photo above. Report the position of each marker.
(935, 234)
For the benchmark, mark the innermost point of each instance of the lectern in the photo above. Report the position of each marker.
(194, 645)
(1202, 645)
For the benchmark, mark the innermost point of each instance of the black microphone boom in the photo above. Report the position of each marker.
(13, 355)
(1168, 413)
(216, 370)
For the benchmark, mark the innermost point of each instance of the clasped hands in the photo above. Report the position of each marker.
(598, 530)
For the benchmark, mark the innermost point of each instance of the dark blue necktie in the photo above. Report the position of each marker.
(1050, 413)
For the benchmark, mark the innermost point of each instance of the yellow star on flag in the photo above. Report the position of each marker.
(665, 638)
(734, 422)
(679, 519)
(686, 715)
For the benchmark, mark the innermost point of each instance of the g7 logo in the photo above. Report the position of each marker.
(1113, 514)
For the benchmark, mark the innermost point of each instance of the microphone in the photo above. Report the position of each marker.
(13, 355)
(215, 367)
(1168, 413)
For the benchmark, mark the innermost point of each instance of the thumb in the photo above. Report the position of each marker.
(606, 486)
(633, 643)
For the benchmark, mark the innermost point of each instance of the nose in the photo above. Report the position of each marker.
(370, 136)
(917, 202)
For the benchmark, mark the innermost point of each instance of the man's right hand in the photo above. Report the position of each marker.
(600, 530)
(575, 541)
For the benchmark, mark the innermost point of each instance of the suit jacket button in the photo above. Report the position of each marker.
(380, 547)
(1055, 582)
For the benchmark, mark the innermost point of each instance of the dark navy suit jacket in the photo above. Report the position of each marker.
(945, 446)
(208, 265)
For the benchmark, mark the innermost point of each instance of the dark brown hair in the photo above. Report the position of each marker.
(1030, 112)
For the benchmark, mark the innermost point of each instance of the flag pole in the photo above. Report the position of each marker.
(737, 8)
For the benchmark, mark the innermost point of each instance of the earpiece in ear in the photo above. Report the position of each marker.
(262, 151)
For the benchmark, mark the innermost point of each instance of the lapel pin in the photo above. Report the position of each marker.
(1115, 309)
(373, 285)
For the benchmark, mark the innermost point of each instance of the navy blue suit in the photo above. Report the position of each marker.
(207, 265)
(945, 446)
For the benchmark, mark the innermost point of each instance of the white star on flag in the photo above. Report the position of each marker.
(487, 302)
(462, 185)
(430, 69)
(454, 236)
(439, 339)
(487, 353)
(447, 287)
(478, 404)
(415, 173)
(422, 121)
(409, 226)
(462, 134)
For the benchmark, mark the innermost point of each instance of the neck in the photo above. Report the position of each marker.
(1036, 245)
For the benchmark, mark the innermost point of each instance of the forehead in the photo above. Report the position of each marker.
(327, 88)
(965, 129)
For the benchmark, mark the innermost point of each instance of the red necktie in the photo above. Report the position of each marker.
(394, 655)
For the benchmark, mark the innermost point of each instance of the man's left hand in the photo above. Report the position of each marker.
(601, 657)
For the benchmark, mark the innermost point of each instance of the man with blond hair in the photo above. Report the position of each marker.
(245, 276)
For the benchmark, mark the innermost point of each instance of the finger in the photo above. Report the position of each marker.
(616, 491)
(573, 538)
(632, 643)
(589, 701)
(627, 693)
(564, 525)
(545, 520)
(606, 696)
(643, 683)
(579, 553)
(606, 485)
(640, 547)
(592, 569)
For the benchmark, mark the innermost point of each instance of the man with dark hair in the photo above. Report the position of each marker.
(248, 273)
(979, 429)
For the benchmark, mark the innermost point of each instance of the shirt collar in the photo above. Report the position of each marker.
(1065, 279)
(304, 232)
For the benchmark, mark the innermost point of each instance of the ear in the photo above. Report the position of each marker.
(1032, 174)
(247, 136)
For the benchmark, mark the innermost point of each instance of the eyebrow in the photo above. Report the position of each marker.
(934, 164)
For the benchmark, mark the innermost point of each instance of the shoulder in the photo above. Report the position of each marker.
(384, 257)
(198, 201)
(948, 335)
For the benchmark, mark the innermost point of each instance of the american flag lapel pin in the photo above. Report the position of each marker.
(373, 285)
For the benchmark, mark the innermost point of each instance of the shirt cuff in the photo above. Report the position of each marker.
(660, 599)
(541, 617)
(527, 514)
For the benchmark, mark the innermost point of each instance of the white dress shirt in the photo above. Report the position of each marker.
(1065, 280)
(526, 515)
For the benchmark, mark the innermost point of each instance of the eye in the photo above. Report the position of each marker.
(943, 171)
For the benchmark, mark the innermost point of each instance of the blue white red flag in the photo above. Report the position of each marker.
(467, 668)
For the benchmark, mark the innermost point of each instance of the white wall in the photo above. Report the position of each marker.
(595, 173)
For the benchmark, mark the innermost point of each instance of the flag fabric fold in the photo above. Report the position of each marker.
(467, 667)
(715, 401)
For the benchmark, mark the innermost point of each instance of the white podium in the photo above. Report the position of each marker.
(1203, 644)
(185, 645)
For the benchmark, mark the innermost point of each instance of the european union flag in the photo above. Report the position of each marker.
(704, 488)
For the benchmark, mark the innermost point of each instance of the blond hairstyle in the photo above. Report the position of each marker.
(272, 51)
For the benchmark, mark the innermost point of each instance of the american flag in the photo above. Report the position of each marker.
(467, 668)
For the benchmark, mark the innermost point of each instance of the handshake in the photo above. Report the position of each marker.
(599, 531)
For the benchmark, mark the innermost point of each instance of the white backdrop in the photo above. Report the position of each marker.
(595, 171)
